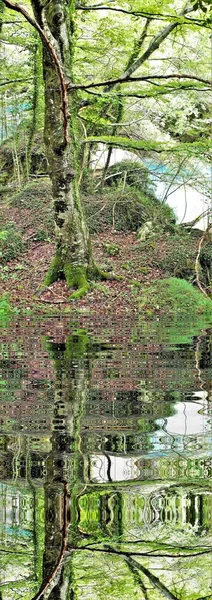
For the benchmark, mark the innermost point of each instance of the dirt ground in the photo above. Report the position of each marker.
(134, 261)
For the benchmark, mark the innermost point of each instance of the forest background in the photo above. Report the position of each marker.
(78, 79)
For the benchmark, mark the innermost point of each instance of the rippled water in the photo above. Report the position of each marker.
(105, 461)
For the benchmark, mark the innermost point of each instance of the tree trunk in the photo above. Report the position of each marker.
(73, 255)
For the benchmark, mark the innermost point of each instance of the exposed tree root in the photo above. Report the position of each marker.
(78, 277)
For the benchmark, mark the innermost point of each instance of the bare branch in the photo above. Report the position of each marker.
(8, 81)
(129, 79)
(154, 580)
(145, 14)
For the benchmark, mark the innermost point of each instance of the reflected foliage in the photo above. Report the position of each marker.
(105, 463)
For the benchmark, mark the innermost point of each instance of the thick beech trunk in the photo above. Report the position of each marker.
(73, 251)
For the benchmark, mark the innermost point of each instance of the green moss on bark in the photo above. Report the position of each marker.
(55, 271)
(76, 277)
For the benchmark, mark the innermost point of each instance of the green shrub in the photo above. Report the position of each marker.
(111, 249)
(6, 310)
(11, 244)
(41, 235)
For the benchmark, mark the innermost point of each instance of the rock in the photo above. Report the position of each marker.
(144, 231)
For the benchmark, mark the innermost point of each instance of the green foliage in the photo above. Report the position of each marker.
(111, 249)
(4, 304)
(175, 296)
(6, 310)
(11, 243)
(1, 13)
(41, 235)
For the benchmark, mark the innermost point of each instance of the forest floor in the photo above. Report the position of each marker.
(134, 262)
(164, 254)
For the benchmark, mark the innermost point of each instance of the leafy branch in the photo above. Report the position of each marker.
(195, 148)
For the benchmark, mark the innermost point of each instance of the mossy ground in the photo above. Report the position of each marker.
(174, 296)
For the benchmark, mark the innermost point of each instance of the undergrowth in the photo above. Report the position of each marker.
(177, 254)
(11, 243)
(6, 310)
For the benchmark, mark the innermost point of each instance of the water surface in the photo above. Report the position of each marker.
(105, 461)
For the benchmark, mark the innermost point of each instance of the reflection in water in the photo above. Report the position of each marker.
(105, 464)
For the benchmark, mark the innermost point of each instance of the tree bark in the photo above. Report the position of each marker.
(73, 255)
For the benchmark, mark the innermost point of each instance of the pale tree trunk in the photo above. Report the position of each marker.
(73, 258)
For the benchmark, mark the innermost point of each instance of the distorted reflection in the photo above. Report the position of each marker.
(105, 463)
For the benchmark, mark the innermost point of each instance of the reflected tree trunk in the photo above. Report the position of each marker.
(64, 466)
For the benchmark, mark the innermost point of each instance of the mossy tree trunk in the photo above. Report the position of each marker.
(37, 102)
(73, 257)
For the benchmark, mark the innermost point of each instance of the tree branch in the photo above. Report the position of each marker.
(8, 81)
(154, 580)
(145, 14)
(144, 145)
(64, 98)
(128, 79)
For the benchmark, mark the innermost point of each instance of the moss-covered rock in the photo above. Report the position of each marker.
(125, 210)
(133, 173)
(174, 296)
